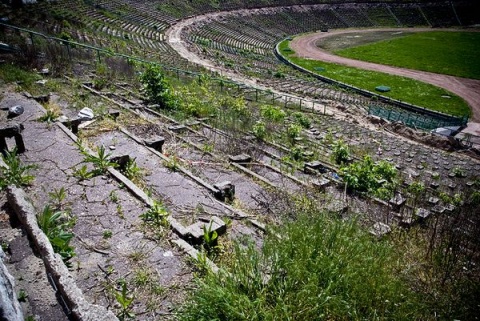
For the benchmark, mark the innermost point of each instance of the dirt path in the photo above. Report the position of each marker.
(469, 89)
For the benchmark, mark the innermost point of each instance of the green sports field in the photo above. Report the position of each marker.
(404, 89)
(443, 52)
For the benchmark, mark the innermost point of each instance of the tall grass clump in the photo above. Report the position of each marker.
(316, 268)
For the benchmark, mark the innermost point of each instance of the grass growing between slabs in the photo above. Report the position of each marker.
(402, 88)
(443, 52)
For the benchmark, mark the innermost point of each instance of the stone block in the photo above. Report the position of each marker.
(195, 231)
(11, 130)
(155, 143)
(312, 167)
(114, 113)
(177, 128)
(398, 200)
(321, 184)
(380, 229)
(120, 160)
(224, 191)
(240, 159)
(422, 213)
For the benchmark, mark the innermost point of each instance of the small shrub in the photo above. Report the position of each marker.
(157, 88)
(272, 113)
(259, 130)
(367, 177)
(302, 120)
(293, 131)
(341, 153)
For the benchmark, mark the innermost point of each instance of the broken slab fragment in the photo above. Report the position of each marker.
(397, 200)
(155, 143)
(422, 213)
(380, 229)
(312, 167)
(11, 130)
(240, 159)
(195, 231)
(114, 113)
(224, 191)
(177, 128)
(321, 183)
(42, 99)
(120, 160)
(10, 309)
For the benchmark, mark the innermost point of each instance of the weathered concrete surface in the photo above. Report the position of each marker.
(81, 309)
(9, 307)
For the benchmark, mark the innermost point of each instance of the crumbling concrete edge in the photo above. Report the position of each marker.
(65, 283)
(11, 310)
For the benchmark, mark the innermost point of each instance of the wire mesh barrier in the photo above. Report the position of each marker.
(416, 120)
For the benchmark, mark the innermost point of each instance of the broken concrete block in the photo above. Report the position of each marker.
(195, 232)
(380, 229)
(155, 143)
(114, 113)
(321, 183)
(120, 160)
(240, 159)
(11, 130)
(86, 114)
(224, 191)
(422, 213)
(313, 167)
(177, 128)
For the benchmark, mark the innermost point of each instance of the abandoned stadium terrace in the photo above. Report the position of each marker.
(143, 218)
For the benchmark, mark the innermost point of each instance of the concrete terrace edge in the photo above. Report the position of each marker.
(65, 283)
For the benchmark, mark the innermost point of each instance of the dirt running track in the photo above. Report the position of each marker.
(469, 89)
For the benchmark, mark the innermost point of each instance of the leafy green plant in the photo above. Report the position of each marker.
(58, 196)
(293, 132)
(125, 301)
(341, 153)
(302, 120)
(210, 238)
(272, 113)
(101, 161)
(107, 234)
(83, 173)
(131, 170)
(173, 163)
(57, 230)
(259, 130)
(372, 178)
(49, 116)
(157, 88)
(331, 266)
(16, 173)
(22, 296)
(156, 215)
